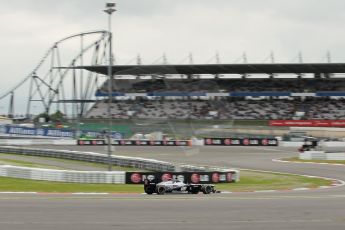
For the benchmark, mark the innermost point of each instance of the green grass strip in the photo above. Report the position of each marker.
(29, 161)
(26, 164)
(253, 181)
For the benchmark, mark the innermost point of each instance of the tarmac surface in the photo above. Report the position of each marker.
(314, 209)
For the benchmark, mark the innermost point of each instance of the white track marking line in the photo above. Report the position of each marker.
(270, 149)
(90, 193)
(263, 191)
(299, 162)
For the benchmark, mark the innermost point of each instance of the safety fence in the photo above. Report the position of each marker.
(135, 162)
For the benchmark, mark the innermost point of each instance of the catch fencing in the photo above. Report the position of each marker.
(135, 162)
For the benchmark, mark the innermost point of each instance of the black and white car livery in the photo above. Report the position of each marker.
(171, 186)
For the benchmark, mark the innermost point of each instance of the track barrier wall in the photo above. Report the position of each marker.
(241, 141)
(117, 177)
(68, 176)
(321, 155)
(137, 142)
(114, 177)
(187, 177)
(36, 142)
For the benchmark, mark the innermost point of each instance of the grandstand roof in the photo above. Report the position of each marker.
(282, 68)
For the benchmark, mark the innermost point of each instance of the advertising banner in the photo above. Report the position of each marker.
(134, 142)
(308, 123)
(241, 141)
(186, 177)
(91, 142)
(151, 143)
(50, 132)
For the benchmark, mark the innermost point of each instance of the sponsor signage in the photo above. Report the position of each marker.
(91, 142)
(186, 177)
(49, 132)
(134, 143)
(150, 143)
(17, 130)
(241, 141)
(308, 123)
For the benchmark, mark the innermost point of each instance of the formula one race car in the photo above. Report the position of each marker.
(310, 144)
(171, 186)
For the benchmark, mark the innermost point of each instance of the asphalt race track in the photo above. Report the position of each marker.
(314, 209)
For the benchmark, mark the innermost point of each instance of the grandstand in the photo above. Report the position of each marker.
(265, 109)
(224, 85)
(223, 98)
(186, 99)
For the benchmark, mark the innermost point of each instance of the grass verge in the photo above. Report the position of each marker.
(254, 181)
(250, 181)
(26, 164)
(316, 161)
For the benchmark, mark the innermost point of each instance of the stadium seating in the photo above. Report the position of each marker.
(308, 98)
(222, 109)
(226, 85)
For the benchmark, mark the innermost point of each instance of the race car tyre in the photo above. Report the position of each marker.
(195, 190)
(148, 191)
(207, 189)
(161, 190)
(148, 188)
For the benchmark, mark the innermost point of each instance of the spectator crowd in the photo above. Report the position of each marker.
(316, 108)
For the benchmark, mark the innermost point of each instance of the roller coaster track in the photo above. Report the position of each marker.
(50, 85)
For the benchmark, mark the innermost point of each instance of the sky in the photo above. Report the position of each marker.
(176, 28)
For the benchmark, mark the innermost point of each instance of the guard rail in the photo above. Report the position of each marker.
(135, 162)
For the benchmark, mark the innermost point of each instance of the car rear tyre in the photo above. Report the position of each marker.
(161, 190)
(207, 189)
(148, 191)
(195, 190)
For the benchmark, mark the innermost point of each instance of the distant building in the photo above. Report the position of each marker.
(5, 121)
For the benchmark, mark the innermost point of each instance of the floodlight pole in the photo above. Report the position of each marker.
(109, 10)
